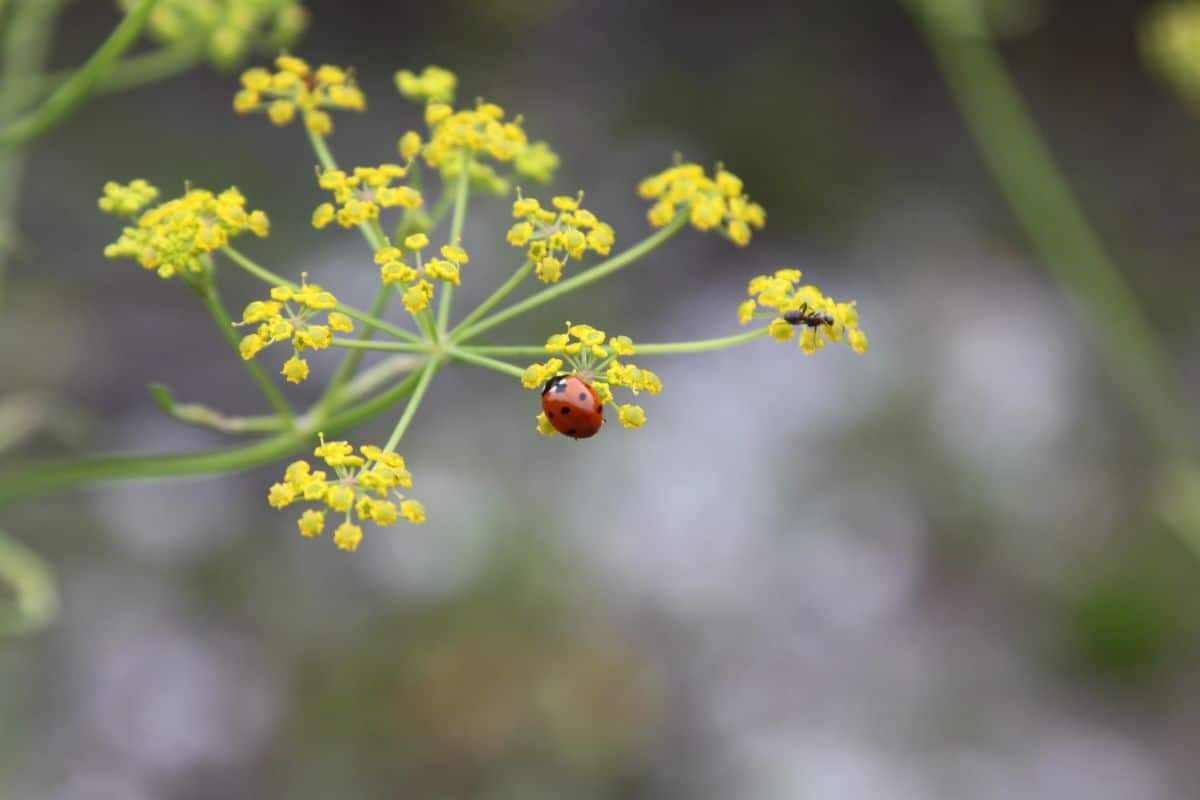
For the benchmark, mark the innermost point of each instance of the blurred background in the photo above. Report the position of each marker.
(926, 572)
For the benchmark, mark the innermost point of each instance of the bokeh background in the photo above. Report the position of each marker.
(926, 572)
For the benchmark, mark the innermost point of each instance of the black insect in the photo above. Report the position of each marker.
(806, 317)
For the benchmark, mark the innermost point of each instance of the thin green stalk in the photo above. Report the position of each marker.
(395, 347)
(36, 479)
(426, 377)
(79, 86)
(601, 270)
(669, 348)
(472, 356)
(504, 291)
(350, 363)
(461, 192)
(1042, 202)
(216, 309)
(264, 274)
(32, 587)
(371, 229)
(24, 48)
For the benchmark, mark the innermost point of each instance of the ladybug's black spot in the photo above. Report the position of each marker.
(583, 396)
(566, 409)
(571, 433)
(549, 413)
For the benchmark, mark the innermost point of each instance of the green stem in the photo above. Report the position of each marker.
(669, 348)
(461, 192)
(371, 229)
(350, 363)
(216, 309)
(426, 377)
(79, 86)
(504, 291)
(601, 270)
(25, 46)
(472, 356)
(395, 347)
(1039, 197)
(32, 587)
(49, 476)
(264, 274)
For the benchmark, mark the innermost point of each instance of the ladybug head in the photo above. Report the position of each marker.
(557, 380)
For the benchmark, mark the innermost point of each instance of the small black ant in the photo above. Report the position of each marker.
(810, 319)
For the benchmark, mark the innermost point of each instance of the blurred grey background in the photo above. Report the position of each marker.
(927, 572)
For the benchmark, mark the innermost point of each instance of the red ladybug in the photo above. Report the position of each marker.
(572, 406)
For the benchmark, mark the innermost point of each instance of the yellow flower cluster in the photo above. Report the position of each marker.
(794, 305)
(361, 194)
(466, 138)
(227, 29)
(1171, 40)
(290, 314)
(173, 236)
(296, 88)
(556, 235)
(418, 290)
(125, 200)
(711, 203)
(434, 83)
(363, 483)
(582, 348)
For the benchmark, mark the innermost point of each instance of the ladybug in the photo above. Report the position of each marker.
(572, 406)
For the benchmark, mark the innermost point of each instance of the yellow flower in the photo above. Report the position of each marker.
(311, 523)
(792, 305)
(367, 482)
(409, 145)
(556, 236)
(347, 536)
(173, 237)
(295, 369)
(296, 89)
(434, 83)
(544, 428)
(416, 241)
(292, 314)
(631, 416)
(710, 202)
(359, 196)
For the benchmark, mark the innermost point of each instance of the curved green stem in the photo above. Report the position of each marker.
(472, 356)
(264, 274)
(32, 586)
(79, 86)
(504, 291)
(426, 377)
(35, 479)
(1040, 198)
(462, 191)
(216, 309)
(601, 270)
(668, 348)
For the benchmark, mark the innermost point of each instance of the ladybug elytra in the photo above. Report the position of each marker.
(572, 406)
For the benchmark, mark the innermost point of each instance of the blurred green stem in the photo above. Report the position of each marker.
(504, 291)
(24, 47)
(31, 585)
(216, 309)
(1039, 197)
(667, 348)
(473, 357)
(76, 89)
(423, 381)
(462, 190)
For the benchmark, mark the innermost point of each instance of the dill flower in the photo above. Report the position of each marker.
(1171, 42)
(712, 203)
(790, 304)
(173, 236)
(291, 314)
(359, 195)
(433, 84)
(416, 280)
(468, 138)
(554, 236)
(296, 89)
(364, 484)
(582, 352)
(227, 30)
